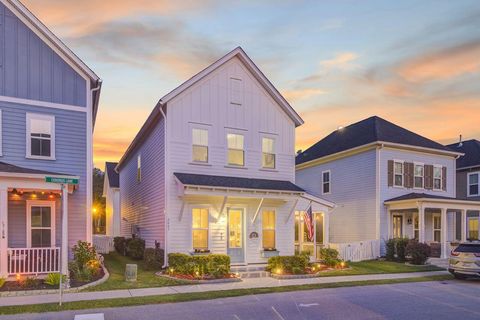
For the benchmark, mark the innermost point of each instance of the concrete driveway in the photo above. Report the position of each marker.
(422, 300)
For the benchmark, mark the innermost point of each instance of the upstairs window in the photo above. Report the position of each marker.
(326, 182)
(437, 178)
(419, 176)
(268, 229)
(398, 174)
(473, 182)
(40, 224)
(139, 168)
(268, 153)
(40, 136)
(199, 145)
(236, 153)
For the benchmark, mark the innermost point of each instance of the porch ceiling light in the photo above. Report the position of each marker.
(15, 192)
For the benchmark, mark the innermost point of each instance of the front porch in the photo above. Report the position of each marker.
(438, 221)
(33, 221)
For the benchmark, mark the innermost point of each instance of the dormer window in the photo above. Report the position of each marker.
(40, 136)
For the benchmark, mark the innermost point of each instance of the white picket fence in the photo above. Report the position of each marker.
(358, 251)
(103, 244)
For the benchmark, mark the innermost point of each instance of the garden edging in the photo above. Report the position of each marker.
(225, 280)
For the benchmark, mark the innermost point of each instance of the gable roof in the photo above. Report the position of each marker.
(27, 17)
(365, 132)
(112, 175)
(237, 52)
(471, 149)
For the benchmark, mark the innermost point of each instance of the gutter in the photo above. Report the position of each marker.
(165, 224)
(95, 102)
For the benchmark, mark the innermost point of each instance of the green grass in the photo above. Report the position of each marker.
(378, 267)
(182, 297)
(115, 264)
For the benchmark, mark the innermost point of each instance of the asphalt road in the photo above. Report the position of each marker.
(422, 300)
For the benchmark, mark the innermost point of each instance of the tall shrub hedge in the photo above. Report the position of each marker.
(212, 265)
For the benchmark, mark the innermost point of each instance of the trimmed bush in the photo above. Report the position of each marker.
(120, 245)
(418, 252)
(53, 279)
(85, 264)
(390, 249)
(288, 264)
(212, 265)
(153, 258)
(401, 245)
(330, 257)
(2, 282)
(135, 248)
(83, 252)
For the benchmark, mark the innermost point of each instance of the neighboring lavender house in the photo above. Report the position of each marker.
(213, 169)
(48, 103)
(111, 193)
(386, 182)
(468, 181)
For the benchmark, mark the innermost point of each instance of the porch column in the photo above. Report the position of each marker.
(64, 250)
(444, 233)
(463, 232)
(3, 232)
(389, 224)
(326, 228)
(421, 223)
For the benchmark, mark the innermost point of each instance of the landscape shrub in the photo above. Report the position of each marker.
(287, 264)
(153, 258)
(83, 252)
(135, 248)
(418, 252)
(400, 246)
(212, 265)
(2, 282)
(390, 249)
(120, 245)
(329, 257)
(85, 264)
(53, 279)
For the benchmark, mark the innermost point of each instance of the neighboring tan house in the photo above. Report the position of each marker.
(48, 104)
(468, 180)
(111, 193)
(386, 182)
(213, 168)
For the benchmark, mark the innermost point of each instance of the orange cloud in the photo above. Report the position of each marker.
(340, 61)
(301, 94)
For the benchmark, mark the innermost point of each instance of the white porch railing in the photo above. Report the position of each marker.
(358, 251)
(103, 244)
(33, 260)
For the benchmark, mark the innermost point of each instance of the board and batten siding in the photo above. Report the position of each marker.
(30, 69)
(143, 203)
(70, 154)
(352, 190)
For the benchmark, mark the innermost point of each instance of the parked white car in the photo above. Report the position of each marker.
(464, 260)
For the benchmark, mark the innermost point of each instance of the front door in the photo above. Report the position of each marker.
(397, 226)
(235, 247)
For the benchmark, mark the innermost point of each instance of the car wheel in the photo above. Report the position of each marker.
(459, 276)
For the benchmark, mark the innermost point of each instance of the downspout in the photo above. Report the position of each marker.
(165, 224)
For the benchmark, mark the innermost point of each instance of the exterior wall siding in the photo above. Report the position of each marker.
(352, 190)
(462, 184)
(143, 203)
(70, 152)
(30, 69)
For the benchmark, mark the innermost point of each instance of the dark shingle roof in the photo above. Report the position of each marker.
(414, 195)
(10, 168)
(471, 149)
(112, 175)
(364, 132)
(235, 182)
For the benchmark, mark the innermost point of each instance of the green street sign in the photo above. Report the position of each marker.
(61, 180)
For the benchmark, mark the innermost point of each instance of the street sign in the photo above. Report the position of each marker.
(61, 180)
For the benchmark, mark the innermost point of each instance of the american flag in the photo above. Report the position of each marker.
(308, 217)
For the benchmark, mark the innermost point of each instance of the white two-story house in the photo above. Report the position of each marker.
(48, 103)
(213, 168)
(386, 182)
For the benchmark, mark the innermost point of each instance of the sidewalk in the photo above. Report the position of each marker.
(245, 284)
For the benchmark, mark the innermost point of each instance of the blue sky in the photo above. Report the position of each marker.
(416, 63)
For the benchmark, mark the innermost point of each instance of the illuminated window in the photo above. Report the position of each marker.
(200, 228)
(268, 153)
(236, 153)
(199, 145)
(268, 229)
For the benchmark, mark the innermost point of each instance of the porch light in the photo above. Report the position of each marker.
(15, 192)
(34, 195)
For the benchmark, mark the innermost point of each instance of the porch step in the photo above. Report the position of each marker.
(250, 271)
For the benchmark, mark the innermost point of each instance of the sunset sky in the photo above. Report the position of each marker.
(416, 63)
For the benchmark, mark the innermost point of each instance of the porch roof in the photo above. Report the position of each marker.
(203, 180)
(7, 169)
(415, 198)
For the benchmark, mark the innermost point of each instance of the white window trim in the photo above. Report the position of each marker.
(241, 133)
(436, 215)
(468, 184)
(40, 203)
(329, 182)
(208, 225)
(276, 227)
(51, 118)
(200, 127)
(403, 173)
(415, 176)
(275, 153)
(441, 177)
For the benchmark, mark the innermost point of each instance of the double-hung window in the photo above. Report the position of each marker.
(200, 228)
(268, 229)
(473, 184)
(199, 145)
(437, 178)
(236, 151)
(268, 153)
(40, 224)
(326, 182)
(419, 176)
(40, 136)
(437, 227)
(398, 174)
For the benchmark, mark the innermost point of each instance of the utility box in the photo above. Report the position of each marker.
(131, 272)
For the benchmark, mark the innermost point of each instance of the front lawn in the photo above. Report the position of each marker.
(115, 265)
(378, 267)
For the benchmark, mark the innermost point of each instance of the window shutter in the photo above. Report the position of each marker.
(408, 175)
(444, 178)
(390, 173)
(428, 176)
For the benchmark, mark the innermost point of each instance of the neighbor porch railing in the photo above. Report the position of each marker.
(33, 260)
(103, 244)
(358, 251)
